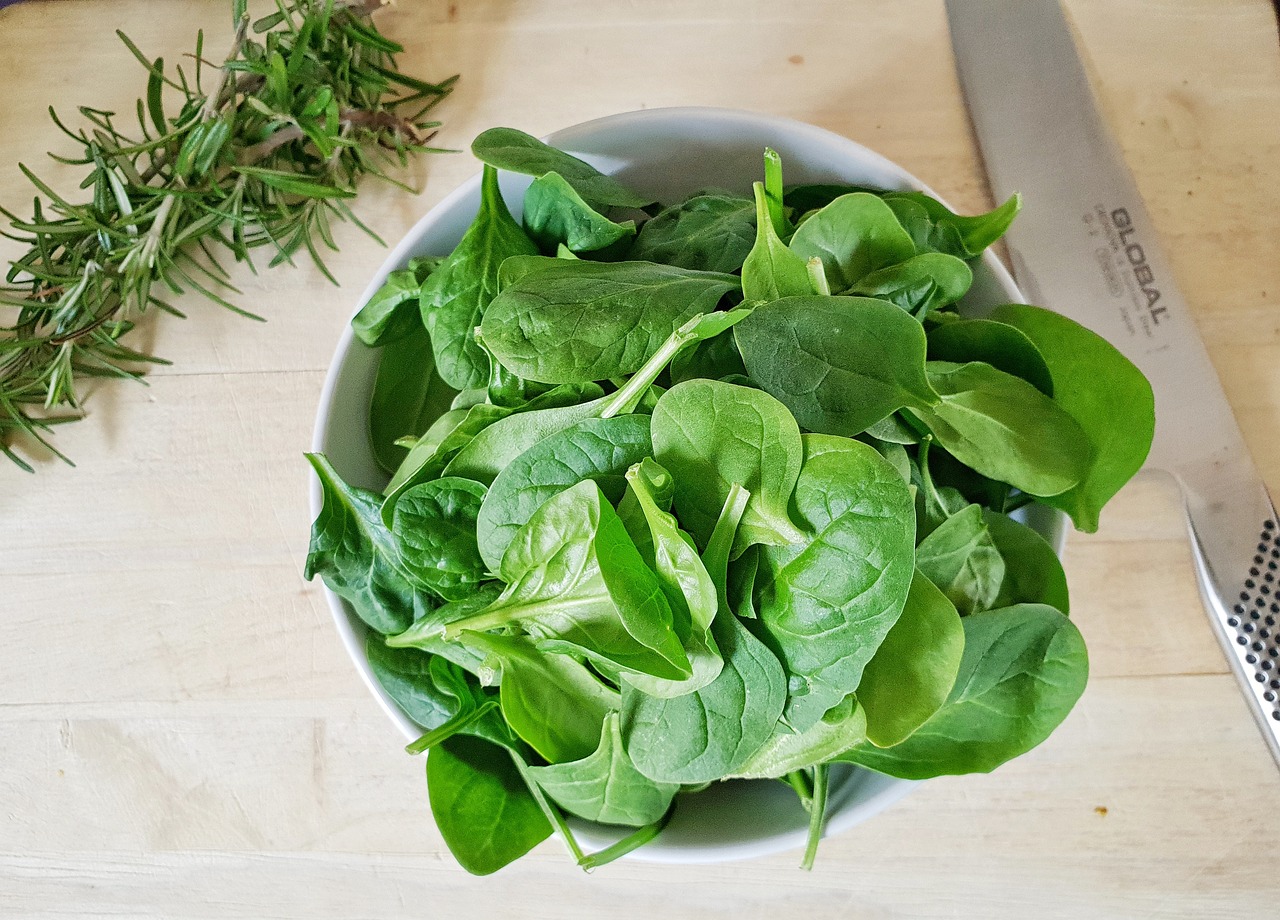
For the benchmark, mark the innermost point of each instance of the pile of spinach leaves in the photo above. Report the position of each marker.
(712, 490)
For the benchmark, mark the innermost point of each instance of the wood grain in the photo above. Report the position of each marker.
(182, 735)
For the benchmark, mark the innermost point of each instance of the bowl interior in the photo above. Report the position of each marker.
(666, 153)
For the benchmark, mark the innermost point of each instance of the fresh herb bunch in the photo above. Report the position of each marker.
(261, 151)
(722, 492)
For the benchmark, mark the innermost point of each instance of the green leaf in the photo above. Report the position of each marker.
(392, 312)
(1032, 571)
(961, 236)
(556, 214)
(455, 296)
(407, 395)
(1107, 396)
(961, 558)
(485, 812)
(827, 603)
(553, 702)
(912, 672)
(576, 321)
(597, 449)
(290, 183)
(356, 555)
(706, 232)
(840, 364)
(577, 583)
(516, 151)
(1003, 346)
(852, 236)
(712, 436)
(1022, 671)
(785, 751)
(435, 526)
(605, 786)
(1005, 428)
(771, 270)
(928, 281)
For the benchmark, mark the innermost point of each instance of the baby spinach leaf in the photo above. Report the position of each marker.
(426, 633)
(514, 268)
(518, 152)
(392, 312)
(605, 786)
(713, 435)
(355, 554)
(716, 358)
(597, 449)
(576, 582)
(785, 751)
(962, 236)
(554, 213)
(1099, 388)
(435, 526)
(771, 270)
(961, 558)
(827, 603)
(703, 736)
(553, 702)
(706, 232)
(455, 296)
(484, 810)
(840, 364)
(690, 592)
(1005, 428)
(407, 396)
(578, 321)
(922, 283)
(1032, 571)
(1003, 346)
(806, 197)
(852, 236)
(1022, 671)
(912, 672)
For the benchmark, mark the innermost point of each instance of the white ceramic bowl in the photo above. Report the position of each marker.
(667, 154)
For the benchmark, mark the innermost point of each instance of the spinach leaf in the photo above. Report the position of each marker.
(707, 232)
(715, 358)
(713, 435)
(485, 812)
(392, 312)
(455, 296)
(961, 558)
(827, 603)
(912, 672)
(435, 526)
(555, 214)
(1003, 346)
(605, 786)
(840, 728)
(852, 236)
(576, 582)
(577, 321)
(597, 449)
(925, 282)
(426, 633)
(840, 364)
(355, 554)
(1032, 571)
(703, 736)
(806, 197)
(516, 151)
(1099, 388)
(553, 702)
(408, 395)
(1005, 428)
(944, 231)
(1022, 671)
(670, 552)
(771, 270)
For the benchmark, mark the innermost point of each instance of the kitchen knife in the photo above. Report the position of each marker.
(1085, 247)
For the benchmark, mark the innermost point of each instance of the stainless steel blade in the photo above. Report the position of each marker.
(1084, 245)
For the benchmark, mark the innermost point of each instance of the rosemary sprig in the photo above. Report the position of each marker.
(262, 150)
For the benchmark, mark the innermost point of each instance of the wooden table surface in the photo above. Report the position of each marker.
(181, 733)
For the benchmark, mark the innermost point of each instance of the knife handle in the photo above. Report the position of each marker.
(1241, 593)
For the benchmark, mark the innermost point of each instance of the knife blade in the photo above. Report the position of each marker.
(1084, 246)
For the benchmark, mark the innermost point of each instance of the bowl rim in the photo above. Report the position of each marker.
(351, 634)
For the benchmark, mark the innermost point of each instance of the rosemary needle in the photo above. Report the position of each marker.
(261, 151)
